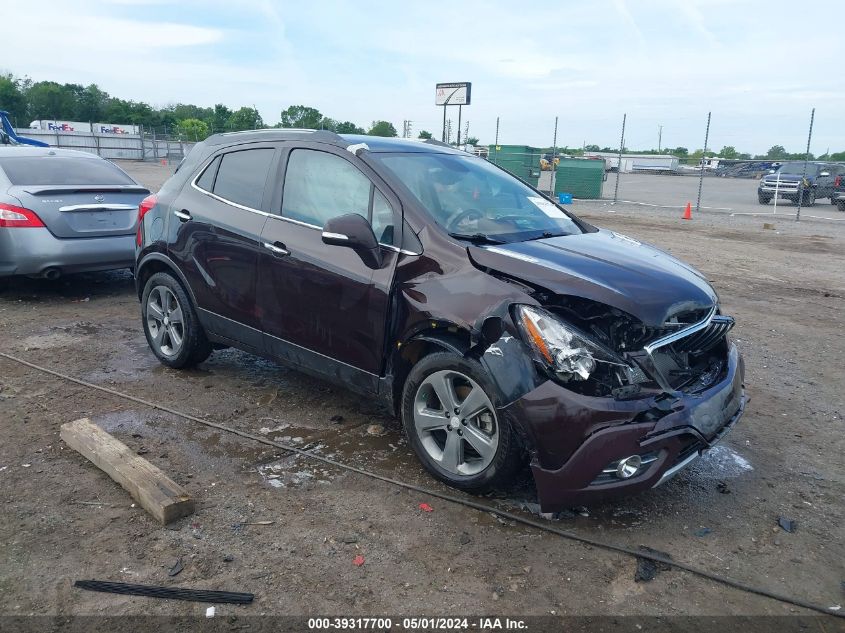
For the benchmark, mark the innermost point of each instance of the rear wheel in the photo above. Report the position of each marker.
(449, 414)
(763, 198)
(840, 204)
(170, 323)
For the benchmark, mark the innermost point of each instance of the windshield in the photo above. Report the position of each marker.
(62, 170)
(798, 168)
(473, 199)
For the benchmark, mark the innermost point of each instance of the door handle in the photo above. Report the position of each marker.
(277, 248)
(183, 215)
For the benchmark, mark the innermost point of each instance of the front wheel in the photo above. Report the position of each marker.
(171, 325)
(809, 198)
(840, 204)
(450, 418)
(763, 199)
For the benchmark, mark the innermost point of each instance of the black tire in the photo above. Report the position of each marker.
(509, 457)
(4, 284)
(809, 198)
(763, 199)
(194, 347)
(840, 204)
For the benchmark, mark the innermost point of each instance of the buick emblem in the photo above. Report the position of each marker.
(99, 198)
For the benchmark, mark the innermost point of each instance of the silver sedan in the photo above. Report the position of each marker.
(64, 211)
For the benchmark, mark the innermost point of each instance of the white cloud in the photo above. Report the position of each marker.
(663, 62)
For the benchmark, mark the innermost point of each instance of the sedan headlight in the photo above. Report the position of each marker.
(565, 350)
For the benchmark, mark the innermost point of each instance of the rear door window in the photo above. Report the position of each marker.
(62, 170)
(242, 176)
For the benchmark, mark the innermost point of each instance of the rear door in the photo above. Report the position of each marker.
(75, 197)
(214, 237)
(321, 307)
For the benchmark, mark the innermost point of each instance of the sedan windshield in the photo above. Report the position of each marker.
(474, 200)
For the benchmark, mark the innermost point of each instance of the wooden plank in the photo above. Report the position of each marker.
(150, 487)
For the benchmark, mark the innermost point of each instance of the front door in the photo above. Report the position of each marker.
(320, 306)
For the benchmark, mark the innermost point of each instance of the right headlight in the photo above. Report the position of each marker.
(566, 351)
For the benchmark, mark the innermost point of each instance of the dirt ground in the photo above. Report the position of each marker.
(62, 519)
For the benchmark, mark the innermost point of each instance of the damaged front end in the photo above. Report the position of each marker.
(621, 406)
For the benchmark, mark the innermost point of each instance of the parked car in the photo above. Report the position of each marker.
(63, 211)
(787, 183)
(838, 197)
(497, 325)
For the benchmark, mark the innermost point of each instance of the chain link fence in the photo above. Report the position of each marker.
(706, 178)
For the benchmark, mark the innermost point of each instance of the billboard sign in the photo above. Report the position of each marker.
(453, 94)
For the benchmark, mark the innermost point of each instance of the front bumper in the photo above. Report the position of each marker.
(575, 437)
(31, 251)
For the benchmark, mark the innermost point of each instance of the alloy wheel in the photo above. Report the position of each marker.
(165, 321)
(456, 422)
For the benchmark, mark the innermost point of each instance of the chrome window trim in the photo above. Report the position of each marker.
(278, 216)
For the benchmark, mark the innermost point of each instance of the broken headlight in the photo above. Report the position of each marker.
(570, 354)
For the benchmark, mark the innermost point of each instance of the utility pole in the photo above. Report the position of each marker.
(703, 161)
(659, 137)
(619, 159)
(804, 174)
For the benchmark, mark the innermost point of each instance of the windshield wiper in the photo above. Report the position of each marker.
(546, 234)
(477, 238)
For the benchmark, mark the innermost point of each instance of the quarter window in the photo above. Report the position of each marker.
(206, 181)
(320, 186)
(242, 176)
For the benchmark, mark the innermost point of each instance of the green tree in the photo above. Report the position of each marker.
(382, 128)
(680, 152)
(301, 116)
(219, 118)
(424, 134)
(728, 151)
(838, 156)
(193, 129)
(348, 127)
(245, 119)
(592, 148)
(472, 140)
(91, 104)
(49, 100)
(776, 152)
(13, 100)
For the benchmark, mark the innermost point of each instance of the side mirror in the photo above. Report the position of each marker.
(354, 231)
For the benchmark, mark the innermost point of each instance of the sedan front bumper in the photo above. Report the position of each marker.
(31, 251)
(575, 438)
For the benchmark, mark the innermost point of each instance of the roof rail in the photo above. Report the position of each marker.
(431, 141)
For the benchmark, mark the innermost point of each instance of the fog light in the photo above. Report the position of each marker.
(629, 467)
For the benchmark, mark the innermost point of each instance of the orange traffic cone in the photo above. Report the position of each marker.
(688, 212)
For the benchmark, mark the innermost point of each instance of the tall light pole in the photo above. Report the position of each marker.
(659, 137)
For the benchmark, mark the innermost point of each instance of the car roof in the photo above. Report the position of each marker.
(373, 143)
(20, 151)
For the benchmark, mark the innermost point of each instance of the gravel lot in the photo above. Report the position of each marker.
(63, 519)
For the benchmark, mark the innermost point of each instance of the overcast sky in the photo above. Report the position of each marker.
(759, 66)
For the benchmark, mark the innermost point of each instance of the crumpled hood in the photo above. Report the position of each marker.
(606, 267)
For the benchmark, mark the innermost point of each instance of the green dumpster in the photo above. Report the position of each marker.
(582, 178)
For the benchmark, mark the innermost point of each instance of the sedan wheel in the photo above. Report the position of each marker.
(165, 321)
(456, 422)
